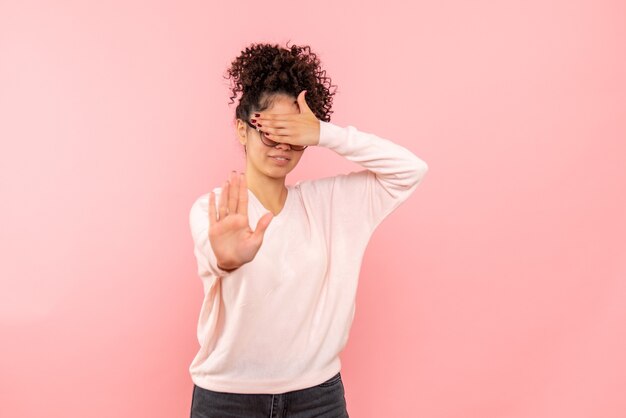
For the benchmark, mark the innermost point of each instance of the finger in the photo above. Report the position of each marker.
(278, 139)
(233, 192)
(223, 201)
(277, 132)
(269, 117)
(262, 225)
(280, 124)
(275, 123)
(212, 215)
(243, 196)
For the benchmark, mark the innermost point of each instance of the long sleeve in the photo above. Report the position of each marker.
(279, 323)
(391, 174)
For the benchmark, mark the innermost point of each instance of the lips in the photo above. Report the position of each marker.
(280, 156)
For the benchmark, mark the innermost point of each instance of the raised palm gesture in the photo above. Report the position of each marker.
(232, 240)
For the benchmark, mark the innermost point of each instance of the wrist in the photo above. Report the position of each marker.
(227, 267)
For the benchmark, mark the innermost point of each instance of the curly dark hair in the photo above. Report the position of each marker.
(263, 70)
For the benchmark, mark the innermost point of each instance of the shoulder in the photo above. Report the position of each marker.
(346, 185)
(201, 203)
(338, 180)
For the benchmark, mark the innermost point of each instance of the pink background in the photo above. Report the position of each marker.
(497, 290)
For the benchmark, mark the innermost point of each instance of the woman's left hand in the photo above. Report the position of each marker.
(297, 129)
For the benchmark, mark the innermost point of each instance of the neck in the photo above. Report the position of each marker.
(270, 191)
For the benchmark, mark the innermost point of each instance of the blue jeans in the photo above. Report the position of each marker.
(325, 400)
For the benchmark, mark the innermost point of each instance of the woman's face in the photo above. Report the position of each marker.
(258, 155)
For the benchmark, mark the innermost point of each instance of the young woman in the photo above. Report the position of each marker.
(279, 300)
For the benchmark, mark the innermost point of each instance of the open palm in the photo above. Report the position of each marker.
(233, 242)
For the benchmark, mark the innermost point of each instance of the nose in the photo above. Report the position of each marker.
(283, 146)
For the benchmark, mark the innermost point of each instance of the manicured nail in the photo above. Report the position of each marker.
(257, 115)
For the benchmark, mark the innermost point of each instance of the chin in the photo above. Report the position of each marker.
(279, 172)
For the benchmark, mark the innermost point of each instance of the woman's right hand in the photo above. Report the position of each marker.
(232, 240)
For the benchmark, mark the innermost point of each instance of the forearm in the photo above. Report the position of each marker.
(395, 166)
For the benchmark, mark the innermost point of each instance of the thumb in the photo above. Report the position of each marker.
(262, 225)
(304, 107)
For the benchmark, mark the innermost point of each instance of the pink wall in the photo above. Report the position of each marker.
(497, 290)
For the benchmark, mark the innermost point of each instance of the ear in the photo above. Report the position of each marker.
(242, 131)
